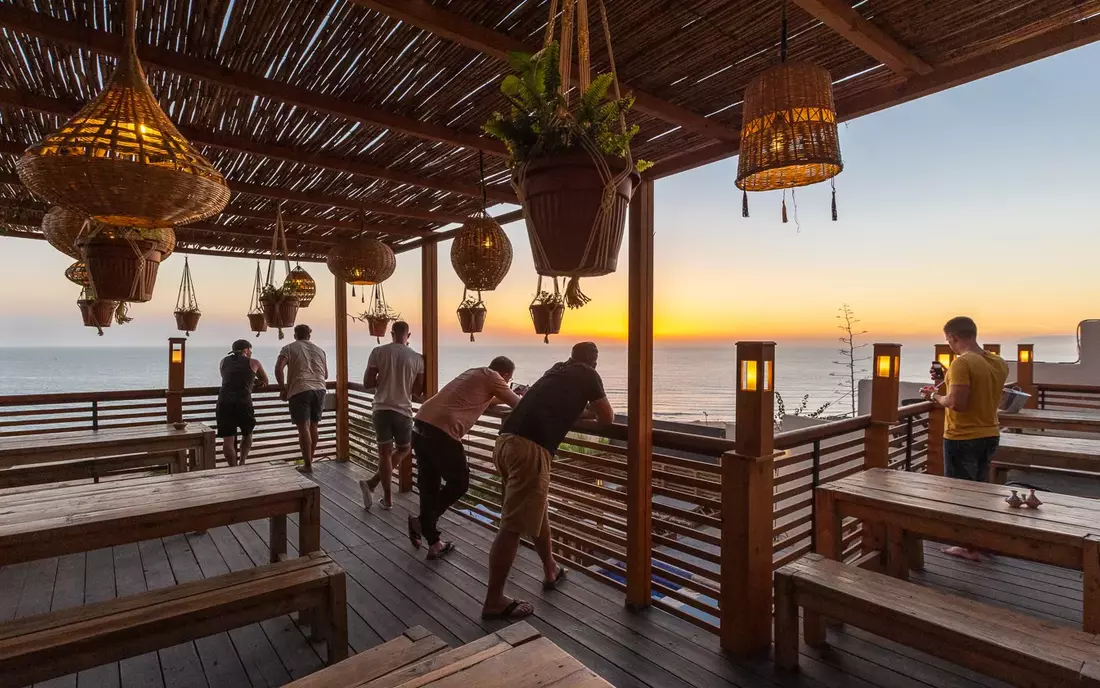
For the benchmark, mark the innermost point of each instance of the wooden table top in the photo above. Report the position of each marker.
(48, 442)
(1061, 518)
(38, 511)
(1073, 447)
(1031, 417)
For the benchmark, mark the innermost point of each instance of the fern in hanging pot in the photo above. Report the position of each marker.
(279, 306)
(547, 310)
(471, 314)
(571, 164)
(379, 316)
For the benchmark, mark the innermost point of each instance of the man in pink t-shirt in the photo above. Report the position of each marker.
(438, 430)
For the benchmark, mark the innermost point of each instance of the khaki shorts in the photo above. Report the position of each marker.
(525, 474)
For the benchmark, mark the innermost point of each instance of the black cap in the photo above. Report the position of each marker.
(240, 345)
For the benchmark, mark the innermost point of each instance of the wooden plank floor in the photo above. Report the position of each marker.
(392, 587)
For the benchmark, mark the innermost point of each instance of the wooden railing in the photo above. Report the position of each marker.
(588, 496)
(1068, 397)
(274, 438)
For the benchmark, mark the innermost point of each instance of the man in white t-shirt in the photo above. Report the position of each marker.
(303, 388)
(395, 373)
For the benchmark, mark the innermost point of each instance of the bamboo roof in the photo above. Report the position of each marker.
(364, 115)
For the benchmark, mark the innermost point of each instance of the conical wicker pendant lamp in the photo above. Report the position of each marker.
(62, 227)
(788, 133)
(302, 285)
(362, 262)
(481, 253)
(121, 160)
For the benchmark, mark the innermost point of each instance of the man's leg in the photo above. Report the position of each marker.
(400, 453)
(544, 545)
(428, 479)
(501, 556)
(304, 443)
(229, 449)
(961, 462)
(314, 434)
(456, 473)
(246, 445)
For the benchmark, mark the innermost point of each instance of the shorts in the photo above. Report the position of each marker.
(306, 406)
(969, 459)
(234, 416)
(392, 426)
(525, 476)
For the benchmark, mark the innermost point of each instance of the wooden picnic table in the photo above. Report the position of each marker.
(1045, 452)
(86, 444)
(1043, 419)
(43, 521)
(1064, 531)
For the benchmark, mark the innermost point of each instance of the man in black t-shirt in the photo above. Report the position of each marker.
(530, 436)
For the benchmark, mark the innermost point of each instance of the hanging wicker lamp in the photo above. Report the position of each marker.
(61, 227)
(122, 161)
(301, 284)
(77, 273)
(481, 253)
(789, 134)
(362, 262)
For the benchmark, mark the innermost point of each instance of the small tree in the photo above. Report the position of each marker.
(850, 358)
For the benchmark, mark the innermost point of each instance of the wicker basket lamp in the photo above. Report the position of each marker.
(77, 273)
(122, 161)
(362, 262)
(789, 133)
(61, 227)
(301, 283)
(481, 253)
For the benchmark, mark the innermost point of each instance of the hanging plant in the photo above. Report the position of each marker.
(547, 310)
(571, 163)
(97, 313)
(121, 160)
(257, 322)
(187, 304)
(279, 304)
(123, 261)
(379, 316)
(122, 313)
(471, 314)
(788, 132)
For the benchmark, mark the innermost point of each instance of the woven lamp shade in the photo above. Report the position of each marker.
(788, 135)
(77, 273)
(362, 262)
(481, 253)
(62, 227)
(302, 285)
(122, 161)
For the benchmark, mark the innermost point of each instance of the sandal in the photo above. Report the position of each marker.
(553, 585)
(448, 547)
(510, 613)
(415, 534)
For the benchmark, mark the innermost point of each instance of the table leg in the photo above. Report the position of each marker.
(897, 561)
(1091, 571)
(914, 552)
(309, 522)
(209, 450)
(827, 525)
(277, 538)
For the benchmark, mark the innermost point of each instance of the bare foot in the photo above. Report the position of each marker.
(962, 553)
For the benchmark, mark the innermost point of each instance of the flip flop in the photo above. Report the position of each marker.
(553, 585)
(509, 612)
(448, 547)
(414, 531)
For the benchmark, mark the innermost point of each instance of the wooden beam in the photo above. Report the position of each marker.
(343, 418)
(353, 225)
(68, 33)
(639, 394)
(239, 144)
(455, 28)
(944, 77)
(839, 16)
(331, 201)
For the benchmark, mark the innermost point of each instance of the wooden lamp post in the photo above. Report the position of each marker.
(747, 506)
(992, 348)
(1025, 372)
(885, 383)
(177, 356)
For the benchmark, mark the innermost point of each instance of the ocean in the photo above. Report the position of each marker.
(691, 383)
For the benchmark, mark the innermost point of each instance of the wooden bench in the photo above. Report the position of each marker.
(41, 647)
(1007, 645)
(93, 468)
(515, 657)
(1045, 453)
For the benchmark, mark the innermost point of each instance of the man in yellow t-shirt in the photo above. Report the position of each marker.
(974, 384)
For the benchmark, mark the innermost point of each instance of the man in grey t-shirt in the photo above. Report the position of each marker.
(395, 373)
(303, 388)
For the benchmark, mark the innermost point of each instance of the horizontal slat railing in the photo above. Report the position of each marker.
(1068, 397)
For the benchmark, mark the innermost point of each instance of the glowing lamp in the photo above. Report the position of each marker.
(887, 365)
(177, 353)
(1025, 356)
(756, 376)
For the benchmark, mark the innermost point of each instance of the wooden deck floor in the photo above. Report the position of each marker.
(391, 587)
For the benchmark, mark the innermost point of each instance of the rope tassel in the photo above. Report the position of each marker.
(744, 203)
(574, 297)
(784, 207)
(832, 183)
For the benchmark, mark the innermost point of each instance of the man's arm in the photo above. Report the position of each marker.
(280, 374)
(505, 395)
(261, 376)
(602, 411)
(956, 399)
(370, 378)
(419, 387)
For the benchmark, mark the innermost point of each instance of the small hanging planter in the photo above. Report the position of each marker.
(571, 163)
(547, 311)
(379, 316)
(123, 261)
(187, 305)
(97, 313)
(256, 320)
(471, 314)
(279, 304)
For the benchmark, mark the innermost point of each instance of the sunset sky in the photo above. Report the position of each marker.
(981, 200)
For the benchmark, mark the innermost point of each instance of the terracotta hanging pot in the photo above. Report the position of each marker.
(562, 198)
(257, 322)
(187, 321)
(279, 311)
(97, 313)
(378, 326)
(472, 318)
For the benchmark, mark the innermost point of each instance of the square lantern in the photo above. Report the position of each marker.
(885, 382)
(944, 355)
(755, 398)
(1025, 355)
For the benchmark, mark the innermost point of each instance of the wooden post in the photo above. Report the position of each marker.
(992, 348)
(936, 421)
(177, 357)
(343, 441)
(639, 472)
(1025, 372)
(429, 306)
(884, 404)
(747, 507)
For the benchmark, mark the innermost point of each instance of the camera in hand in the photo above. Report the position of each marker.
(519, 389)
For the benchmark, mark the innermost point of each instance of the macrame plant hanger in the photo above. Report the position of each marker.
(186, 301)
(574, 17)
(278, 244)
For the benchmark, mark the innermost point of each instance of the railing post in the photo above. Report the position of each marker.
(1025, 372)
(992, 348)
(934, 463)
(747, 507)
(639, 468)
(885, 379)
(909, 444)
(177, 356)
(343, 435)
(95, 414)
(429, 304)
